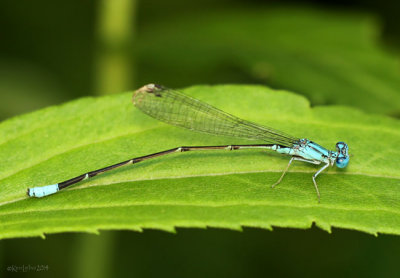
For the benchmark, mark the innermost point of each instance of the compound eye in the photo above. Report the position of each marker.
(342, 148)
(340, 145)
(342, 162)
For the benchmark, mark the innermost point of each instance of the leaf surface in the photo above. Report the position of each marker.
(227, 189)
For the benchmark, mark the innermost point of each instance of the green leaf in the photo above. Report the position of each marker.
(331, 57)
(195, 189)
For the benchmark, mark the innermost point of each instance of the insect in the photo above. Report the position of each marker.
(177, 109)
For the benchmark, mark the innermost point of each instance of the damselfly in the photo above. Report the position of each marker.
(180, 110)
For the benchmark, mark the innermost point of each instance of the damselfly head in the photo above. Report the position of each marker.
(343, 157)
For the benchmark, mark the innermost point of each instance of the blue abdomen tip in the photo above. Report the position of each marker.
(43, 191)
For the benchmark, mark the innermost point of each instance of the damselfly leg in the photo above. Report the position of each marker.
(313, 177)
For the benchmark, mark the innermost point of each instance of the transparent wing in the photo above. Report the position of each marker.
(178, 109)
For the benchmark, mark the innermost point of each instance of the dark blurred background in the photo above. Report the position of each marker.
(55, 51)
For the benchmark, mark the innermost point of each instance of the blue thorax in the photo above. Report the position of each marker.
(312, 151)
